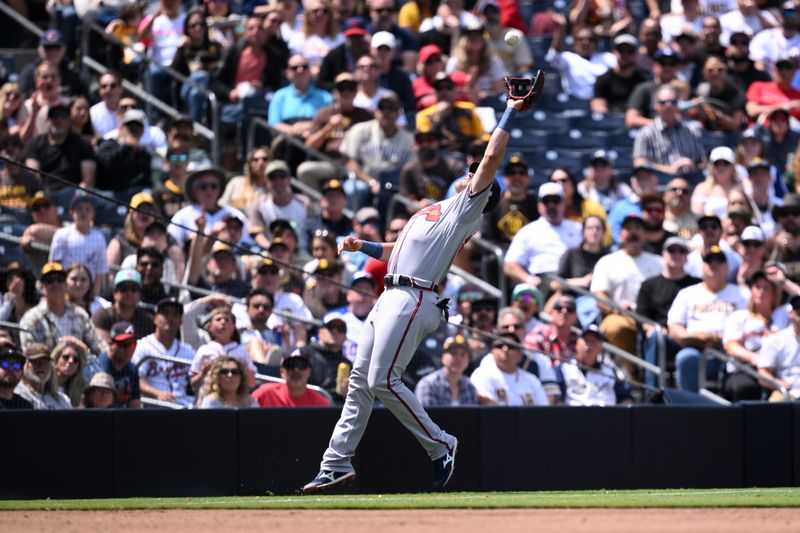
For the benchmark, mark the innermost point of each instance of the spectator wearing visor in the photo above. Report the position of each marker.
(294, 392)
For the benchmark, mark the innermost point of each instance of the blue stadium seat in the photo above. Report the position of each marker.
(712, 139)
(576, 139)
(549, 121)
(599, 122)
(529, 138)
(564, 102)
(622, 139)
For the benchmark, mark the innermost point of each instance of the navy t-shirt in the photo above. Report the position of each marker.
(126, 380)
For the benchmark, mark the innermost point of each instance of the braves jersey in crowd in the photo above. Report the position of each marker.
(163, 375)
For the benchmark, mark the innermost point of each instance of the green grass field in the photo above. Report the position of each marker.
(779, 497)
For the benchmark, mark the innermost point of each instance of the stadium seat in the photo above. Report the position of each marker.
(622, 140)
(576, 139)
(598, 122)
(550, 122)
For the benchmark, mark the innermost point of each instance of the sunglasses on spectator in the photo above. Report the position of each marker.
(278, 175)
(480, 308)
(722, 163)
(677, 250)
(13, 364)
(125, 344)
(336, 327)
(73, 358)
(178, 158)
(512, 326)
(127, 288)
(709, 227)
(126, 107)
(551, 200)
(56, 278)
(668, 101)
(568, 307)
(298, 68)
(679, 190)
(716, 260)
(296, 363)
(389, 108)
(256, 159)
(318, 11)
(230, 372)
(207, 186)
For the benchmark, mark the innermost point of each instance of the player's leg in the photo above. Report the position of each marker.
(357, 408)
(413, 316)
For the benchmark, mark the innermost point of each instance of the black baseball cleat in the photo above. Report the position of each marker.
(443, 468)
(328, 480)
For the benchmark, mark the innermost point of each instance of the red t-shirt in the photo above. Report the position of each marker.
(251, 65)
(377, 269)
(768, 93)
(277, 395)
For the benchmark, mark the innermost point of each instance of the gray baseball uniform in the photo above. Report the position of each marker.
(401, 318)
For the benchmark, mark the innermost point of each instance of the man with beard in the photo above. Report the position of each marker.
(557, 340)
(786, 247)
(150, 266)
(11, 363)
(38, 385)
(326, 355)
(360, 299)
(768, 46)
(537, 247)
(517, 206)
(678, 217)
(656, 296)
(500, 381)
(741, 69)
(612, 89)
(653, 210)
(61, 152)
(618, 276)
(427, 181)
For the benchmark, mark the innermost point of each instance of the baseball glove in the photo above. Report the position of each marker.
(529, 90)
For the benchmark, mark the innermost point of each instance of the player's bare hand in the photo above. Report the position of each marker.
(515, 104)
(350, 244)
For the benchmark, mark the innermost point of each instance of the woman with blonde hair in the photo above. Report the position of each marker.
(69, 358)
(10, 105)
(711, 195)
(320, 34)
(475, 56)
(225, 385)
(127, 241)
(241, 191)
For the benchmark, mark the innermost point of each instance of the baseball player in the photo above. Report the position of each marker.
(409, 309)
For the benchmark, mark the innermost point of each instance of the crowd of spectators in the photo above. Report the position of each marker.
(680, 230)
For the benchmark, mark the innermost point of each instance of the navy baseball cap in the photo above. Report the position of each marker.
(666, 54)
(52, 37)
(593, 329)
(362, 276)
(298, 354)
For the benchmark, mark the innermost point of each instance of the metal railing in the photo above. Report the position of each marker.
(742, 367)
(661, 369)
(258, 122)
(211, 134)
(260, 378)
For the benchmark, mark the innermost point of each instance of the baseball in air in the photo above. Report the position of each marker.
(513, 37)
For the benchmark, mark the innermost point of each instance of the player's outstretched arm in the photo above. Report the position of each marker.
(379, 250)
(495, 150)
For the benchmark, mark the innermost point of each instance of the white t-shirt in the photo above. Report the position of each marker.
(313, 47)
(69, 246)
(213, 349)
(520, 388)
(546, 374)
(620, 275)
(166, 36)
(734, 21)
(579, 74)
(538, 246)
(594, 387)
(370, 103)
(706, 7)
(703, 311)
(103, 120)
(781, 354)
(163, 375)
(354, 327)
(768, 46)
(672, 24)
(295, 211)
(751, 330)
(187, 215)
